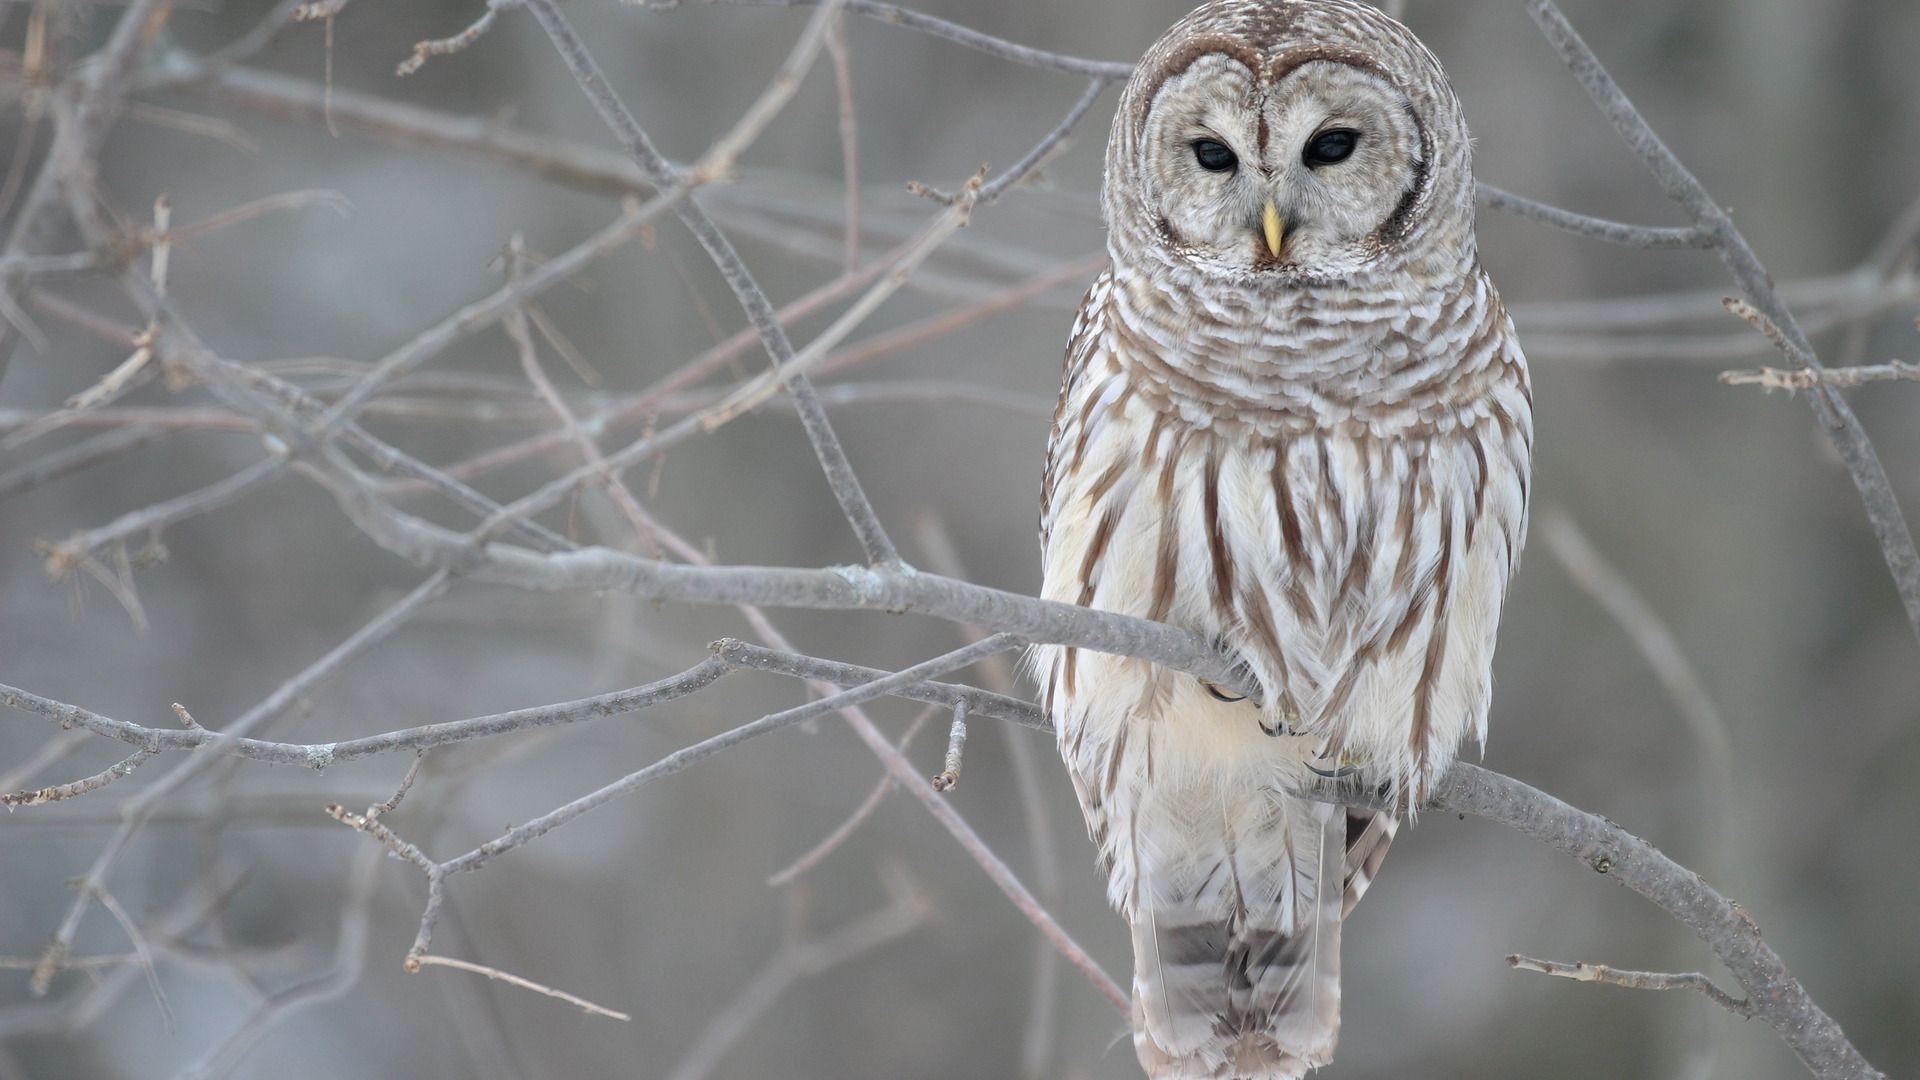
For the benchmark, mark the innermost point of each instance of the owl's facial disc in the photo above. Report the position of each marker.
(1297, 173)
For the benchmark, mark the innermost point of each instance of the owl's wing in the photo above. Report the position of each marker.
(1082, 345)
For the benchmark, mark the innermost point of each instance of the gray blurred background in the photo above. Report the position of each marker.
(1723, 506)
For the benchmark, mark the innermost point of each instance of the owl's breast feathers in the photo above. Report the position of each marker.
(1333, 485)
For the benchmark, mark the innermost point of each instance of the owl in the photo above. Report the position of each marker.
(1295, 420)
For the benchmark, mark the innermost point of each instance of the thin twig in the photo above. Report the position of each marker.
(392, 802)
(656, 399)
(949, 777)
(808, 360)
(1614, 232)
(800, 960)
(141, 805)
(895, 15)
(1841, 378)
(832, 842)
(1635, 980)
(1036, 1045)
(841, 53)
(421, 960)
(1656, 643)
(339, 976)
(1661, 649)
(446, 46)
(100, 89)
(688, 756)
(405, 740)
(516, 325)
(141, 951)
(629, 226)
(719, 160)
(370, 824)
(78, 787)
(1020, 171)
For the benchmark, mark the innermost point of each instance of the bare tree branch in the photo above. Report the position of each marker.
(134, 816)
(98, 94)
(1779, 999)
(1724, 926)
(1835, 415)
(826, 445)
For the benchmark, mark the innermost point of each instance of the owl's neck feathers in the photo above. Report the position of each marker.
(1385, 352)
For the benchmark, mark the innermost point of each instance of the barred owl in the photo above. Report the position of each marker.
(1295, 420)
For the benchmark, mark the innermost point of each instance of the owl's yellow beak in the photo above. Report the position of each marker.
(1272, 227)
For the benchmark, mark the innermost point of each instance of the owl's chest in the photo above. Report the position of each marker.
(1336, 562)
(1159, 509)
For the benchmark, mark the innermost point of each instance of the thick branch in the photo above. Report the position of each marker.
(897, 590)
(1777, 996)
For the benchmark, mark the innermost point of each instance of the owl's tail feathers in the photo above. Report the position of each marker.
(1369, 834)
(1237, 968)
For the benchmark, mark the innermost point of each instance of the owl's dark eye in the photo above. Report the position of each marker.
(1214, 156)
(1331, 147)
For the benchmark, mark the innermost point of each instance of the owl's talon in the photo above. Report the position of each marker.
(1222, 695)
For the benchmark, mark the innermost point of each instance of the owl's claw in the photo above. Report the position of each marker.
(1223, 695)
(1343, 768)
(1287, 725)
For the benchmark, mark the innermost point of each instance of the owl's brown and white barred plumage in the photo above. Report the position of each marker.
(1316, 453)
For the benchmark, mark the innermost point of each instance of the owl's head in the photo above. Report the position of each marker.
(1278, 142)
